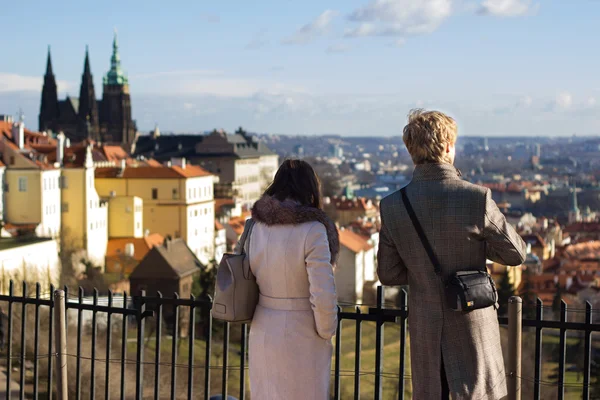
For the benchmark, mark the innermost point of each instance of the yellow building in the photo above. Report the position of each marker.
(177, 200)
(125, 217)
(84, 216)
(31, 184)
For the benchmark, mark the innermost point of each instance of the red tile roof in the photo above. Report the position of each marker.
(354, 242)
(116, 247)
(146, 172)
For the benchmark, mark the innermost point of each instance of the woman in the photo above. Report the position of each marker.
(292, 249)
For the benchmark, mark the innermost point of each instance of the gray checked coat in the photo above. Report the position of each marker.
(459, 219)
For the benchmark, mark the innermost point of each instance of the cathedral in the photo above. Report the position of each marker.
(107, 120)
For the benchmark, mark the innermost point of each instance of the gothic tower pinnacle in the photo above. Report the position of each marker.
(49, 112)
(88, 107)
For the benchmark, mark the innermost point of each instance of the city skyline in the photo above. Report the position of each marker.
(509, 67)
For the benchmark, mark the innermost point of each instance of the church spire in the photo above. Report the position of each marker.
(49, 71)
(88, 107)
(49, 104)
(86, 65)
(115, 76)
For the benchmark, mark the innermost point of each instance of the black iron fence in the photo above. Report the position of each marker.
(138, 347)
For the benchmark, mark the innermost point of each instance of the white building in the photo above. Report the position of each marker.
(33, 260)
(355, 268)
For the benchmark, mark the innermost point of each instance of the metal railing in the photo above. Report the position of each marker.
(116, 345)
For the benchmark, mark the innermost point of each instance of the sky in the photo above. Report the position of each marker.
(348, 67)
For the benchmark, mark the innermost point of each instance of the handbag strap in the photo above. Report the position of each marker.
(246, 237)
(421, 233)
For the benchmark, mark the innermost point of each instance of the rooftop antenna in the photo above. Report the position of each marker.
(21, 115)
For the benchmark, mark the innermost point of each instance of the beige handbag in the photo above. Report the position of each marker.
(236, 291)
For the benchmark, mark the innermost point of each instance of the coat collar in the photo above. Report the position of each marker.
(435, 172)
(271, 211)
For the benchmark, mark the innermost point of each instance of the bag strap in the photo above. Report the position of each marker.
(428, 249)
(245, 236)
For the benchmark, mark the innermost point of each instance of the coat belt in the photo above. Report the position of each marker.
(285, 304)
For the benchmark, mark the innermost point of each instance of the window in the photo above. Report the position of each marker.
(138, 225)
(58, 181)
(196, 232)
(22, 184)
(63, 182)
(45, 184)
(206, 211)
(12, 160)
(195, 192)
(6, 187)
(195, 213)
(91, 203)
(154, 193)
(91, 226)
(175, 194)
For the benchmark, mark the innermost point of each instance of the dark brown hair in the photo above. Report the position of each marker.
(296, 180)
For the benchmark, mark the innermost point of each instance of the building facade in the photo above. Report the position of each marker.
(84, 216)
(106, 120)
(244, 165)
(177, 201)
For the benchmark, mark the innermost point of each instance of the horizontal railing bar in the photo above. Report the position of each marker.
(367, 317)
(27, 300)
(178, 302)
(571, 326)
(91, 307)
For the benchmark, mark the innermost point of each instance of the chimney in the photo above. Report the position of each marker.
(168, 242)
(177, 161)
(18, 132)
(123, 164)
(60, 148)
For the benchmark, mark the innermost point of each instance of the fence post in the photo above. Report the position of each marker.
(60, 344)
(515, 308)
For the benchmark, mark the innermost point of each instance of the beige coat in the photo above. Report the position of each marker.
(290, 336)
(464, 227)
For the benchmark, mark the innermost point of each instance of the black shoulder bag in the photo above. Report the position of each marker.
(465, 290)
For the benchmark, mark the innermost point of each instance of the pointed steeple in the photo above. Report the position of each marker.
(88, 107)
(86, 66)
(49, 105)
(115, 76)
(49, 71)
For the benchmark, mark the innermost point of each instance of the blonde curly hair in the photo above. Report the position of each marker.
(427, 134)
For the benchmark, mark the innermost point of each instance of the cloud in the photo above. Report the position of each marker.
(508, 8)
(525, 102)
(337, 48)
(563, 101)
(259, 40)
(23, 83)
(591, 102)
(365, 29)
(399, 17)
(312, 30)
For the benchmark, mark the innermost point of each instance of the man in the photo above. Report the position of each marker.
(452, 352)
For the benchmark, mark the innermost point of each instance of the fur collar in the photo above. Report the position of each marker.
(271, 211)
